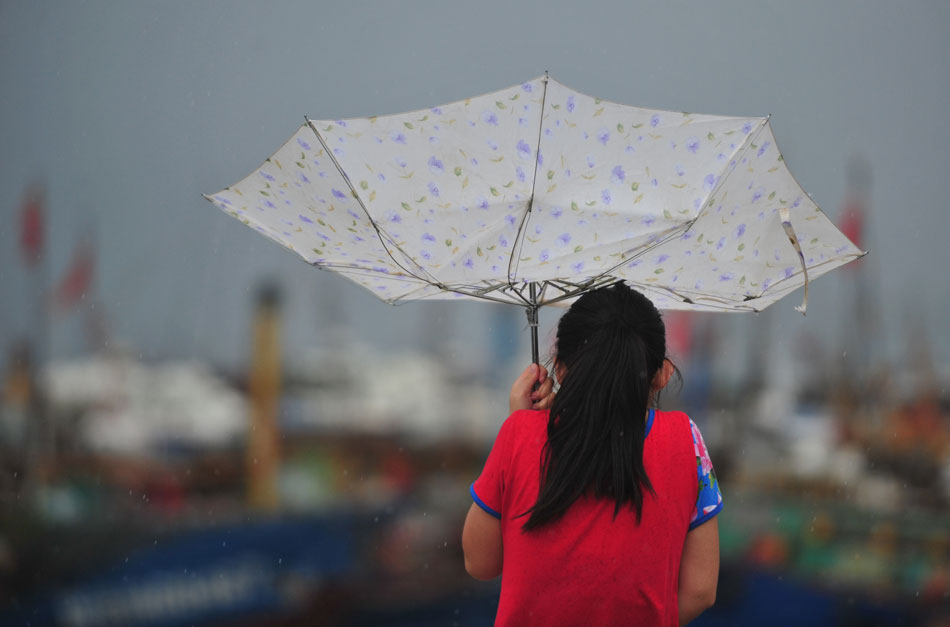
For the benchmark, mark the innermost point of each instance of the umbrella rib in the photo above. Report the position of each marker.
(376, 228)
(519, 238)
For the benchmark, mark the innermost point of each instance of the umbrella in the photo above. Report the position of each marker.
(534, 194)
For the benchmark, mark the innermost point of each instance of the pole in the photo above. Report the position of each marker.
(532, 313)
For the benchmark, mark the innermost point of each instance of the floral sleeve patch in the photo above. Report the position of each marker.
(709, 498)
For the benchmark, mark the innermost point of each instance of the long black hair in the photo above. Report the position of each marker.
(610, 344)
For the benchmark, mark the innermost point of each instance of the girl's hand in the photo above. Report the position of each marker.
(524, 396)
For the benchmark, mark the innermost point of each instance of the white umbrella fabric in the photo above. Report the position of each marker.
(533, 194)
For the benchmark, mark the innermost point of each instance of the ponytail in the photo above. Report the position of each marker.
(611, 343)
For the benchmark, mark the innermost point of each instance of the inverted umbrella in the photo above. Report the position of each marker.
(537, 193)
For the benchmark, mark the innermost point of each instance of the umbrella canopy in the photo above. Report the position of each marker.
(533, 194)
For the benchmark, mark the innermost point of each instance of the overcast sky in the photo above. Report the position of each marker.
(129, 111)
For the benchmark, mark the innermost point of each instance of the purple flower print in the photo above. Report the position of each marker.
(527, 87)
(469, 263)
(481, 202)
(433, 140)
(519, 172)
(522, 122)
(338, 152)
(341, 123)
(394, 217)
(661, 259)
(740, 231)
(303, 178)
(433, 189)
(797, 202)
(605, 196)
(503, 241)
(747, 128)
(400, 162)
(570, 104)
(709, 182)
(590, 162)
(758, 194)
(305, 219)
(720, 243)
(603, 136)
(398, 137)
(692, 144)
(617, 175)
(436, 110)
(353, 214)
(524, 150)
(556, 212)
(726, 276)
(763, 148)
(428, 237)
(648, 220)
(510, 219)
(789, 272)
(222, 199)
(425, 254)
(491, 143)
(337, 193)
(577, 267)
(538, 229)
(630, 150)
(540, 158)
(545, 255)
(381, 176)
(435, 166)
(563, 239)
(489, 117)
(655, 120)
(679, 170)
(267, 176)
(655, 183)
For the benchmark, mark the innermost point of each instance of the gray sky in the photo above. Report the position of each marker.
(129, 111)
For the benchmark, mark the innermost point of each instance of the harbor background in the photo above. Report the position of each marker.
(198, 428)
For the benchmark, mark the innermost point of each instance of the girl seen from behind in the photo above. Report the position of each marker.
(596, 509)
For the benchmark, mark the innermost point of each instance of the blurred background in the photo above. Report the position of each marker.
(196, 428)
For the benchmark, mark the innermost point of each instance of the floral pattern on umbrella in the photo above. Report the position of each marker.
(541, 184)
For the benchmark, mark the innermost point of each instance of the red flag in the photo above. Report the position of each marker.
(852, 221)
(78, 277)
(679, 333)
(31, 225)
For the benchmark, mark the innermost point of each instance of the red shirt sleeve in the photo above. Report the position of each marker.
(488, 490)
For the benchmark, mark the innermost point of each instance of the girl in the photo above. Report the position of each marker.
(598, 510)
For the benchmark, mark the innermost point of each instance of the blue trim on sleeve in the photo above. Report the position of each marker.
(649, 422)
(481, 503)
(705, 517)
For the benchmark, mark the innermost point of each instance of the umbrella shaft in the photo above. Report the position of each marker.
(534, 345)
(533, 321)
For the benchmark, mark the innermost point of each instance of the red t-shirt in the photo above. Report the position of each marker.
(589, 568)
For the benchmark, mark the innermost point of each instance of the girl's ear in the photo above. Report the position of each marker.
(662, 376)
